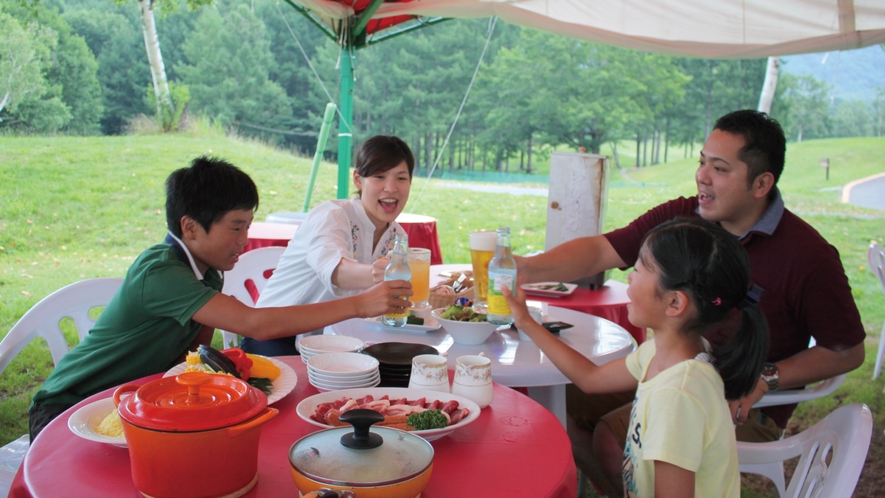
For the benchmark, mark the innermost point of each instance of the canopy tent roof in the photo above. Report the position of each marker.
(726, 29)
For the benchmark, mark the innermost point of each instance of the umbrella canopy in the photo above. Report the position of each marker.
(733, 29)
(719, 29)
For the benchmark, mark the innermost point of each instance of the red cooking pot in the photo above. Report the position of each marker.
(193, 435)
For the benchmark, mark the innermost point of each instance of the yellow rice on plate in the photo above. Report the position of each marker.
(111, 425)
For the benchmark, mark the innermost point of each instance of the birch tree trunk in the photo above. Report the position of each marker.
(769, 86)
(155, 58)
(529, 165)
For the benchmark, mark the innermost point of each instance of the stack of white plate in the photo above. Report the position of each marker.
(318, 344)
(334, 371)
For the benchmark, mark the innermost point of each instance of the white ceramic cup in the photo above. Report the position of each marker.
(481, 395)
(473, 370)
(430, 371)
(473, 379)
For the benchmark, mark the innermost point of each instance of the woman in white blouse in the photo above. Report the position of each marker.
(341, 248)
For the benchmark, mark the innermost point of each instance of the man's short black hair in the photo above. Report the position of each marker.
(765, 145)
(207, 190)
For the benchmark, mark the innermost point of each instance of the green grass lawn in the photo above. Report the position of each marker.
(85, 207)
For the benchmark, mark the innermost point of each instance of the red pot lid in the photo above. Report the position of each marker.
(192, 401)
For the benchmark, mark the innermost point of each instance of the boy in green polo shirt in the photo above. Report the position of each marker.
(170, 300)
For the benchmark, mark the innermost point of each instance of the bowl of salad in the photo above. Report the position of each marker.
(464, 325)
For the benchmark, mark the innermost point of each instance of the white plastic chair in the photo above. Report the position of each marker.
(842, 439)
(74, 301)
(876, 261)
(252, 271)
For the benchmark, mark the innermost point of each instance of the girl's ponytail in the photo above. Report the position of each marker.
(740, 361)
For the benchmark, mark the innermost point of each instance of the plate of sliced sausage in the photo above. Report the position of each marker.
(395, 403)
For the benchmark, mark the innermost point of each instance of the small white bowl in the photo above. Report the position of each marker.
(333, 386)
(85, 420)
(342, 364)
(469, 333)
(324, 389)
(320, 375)
(315, 344)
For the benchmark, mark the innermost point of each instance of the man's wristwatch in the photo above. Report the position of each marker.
(770, 375)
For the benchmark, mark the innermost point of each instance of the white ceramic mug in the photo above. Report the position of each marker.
(473, 379)
(430, 371)
(473, 370)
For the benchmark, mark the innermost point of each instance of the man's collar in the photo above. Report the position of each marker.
(183, 253)
(770, 218)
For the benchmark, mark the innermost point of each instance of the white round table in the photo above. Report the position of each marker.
(515, 363)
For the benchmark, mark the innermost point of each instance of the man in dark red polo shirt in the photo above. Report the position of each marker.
(806, 292)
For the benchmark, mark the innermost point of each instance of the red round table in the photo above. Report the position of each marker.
(515, 448)
(420, 229)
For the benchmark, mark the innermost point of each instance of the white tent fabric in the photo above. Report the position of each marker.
(723, 29)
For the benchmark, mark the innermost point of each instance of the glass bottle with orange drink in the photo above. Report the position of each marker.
(398, 269)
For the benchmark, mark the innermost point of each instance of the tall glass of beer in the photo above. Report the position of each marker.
(419, 263)
(482, 248)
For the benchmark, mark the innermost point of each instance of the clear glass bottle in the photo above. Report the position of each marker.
(502, 273)
(398, 269)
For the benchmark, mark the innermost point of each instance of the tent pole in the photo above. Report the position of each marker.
(345, 133)
(318, 155)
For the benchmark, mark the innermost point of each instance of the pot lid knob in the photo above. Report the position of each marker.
(192, 381)
(361, 419)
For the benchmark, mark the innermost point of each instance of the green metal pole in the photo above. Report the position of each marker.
(345, 134)
(318, 155)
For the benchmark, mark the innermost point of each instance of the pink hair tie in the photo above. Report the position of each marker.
(717, 301)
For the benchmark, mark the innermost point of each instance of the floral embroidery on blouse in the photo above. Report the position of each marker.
(389, 245)
(354, 235)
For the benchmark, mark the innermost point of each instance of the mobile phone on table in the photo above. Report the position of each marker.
(555, 327)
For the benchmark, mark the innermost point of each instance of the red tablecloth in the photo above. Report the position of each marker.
(516, 448)
(609, 302)
(262, 234)
(422, 233)
(420, 229)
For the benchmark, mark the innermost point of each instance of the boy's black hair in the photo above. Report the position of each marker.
(381, 153)
(765, 146)
(207, 190)
(710, 265)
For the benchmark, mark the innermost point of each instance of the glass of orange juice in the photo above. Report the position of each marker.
(419, 264)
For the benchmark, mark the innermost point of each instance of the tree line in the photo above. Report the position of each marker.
(260, 68)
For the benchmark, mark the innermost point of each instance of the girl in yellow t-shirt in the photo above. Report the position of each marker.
(690, 275)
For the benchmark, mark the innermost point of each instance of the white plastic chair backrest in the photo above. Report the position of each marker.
(255, 267)
(72, 301)
(842, 439)
(876, 261)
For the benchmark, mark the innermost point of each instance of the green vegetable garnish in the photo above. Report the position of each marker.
(462, 314)
(264, 385)
(414, 320)
(428, 419)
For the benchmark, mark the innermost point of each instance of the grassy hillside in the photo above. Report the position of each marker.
(84, 207)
